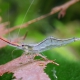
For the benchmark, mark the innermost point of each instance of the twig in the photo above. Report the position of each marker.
(53, 11)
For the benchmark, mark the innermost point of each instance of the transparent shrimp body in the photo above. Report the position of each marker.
(47, 44)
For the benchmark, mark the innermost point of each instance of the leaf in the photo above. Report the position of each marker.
(7, 76)
(26, 68)
(3, 31)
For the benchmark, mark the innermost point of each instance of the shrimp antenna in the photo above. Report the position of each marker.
(13, 44)
(24, 37)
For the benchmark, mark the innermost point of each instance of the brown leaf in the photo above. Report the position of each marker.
(25, 68)
(2, 33)
(3, 30)
(31, 71)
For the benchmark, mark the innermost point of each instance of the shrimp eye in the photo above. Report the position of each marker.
(22, 45)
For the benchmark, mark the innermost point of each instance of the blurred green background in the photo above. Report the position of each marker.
(67, 56)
